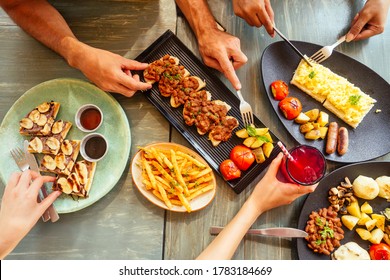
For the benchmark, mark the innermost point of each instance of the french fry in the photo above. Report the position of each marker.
(179, 177)
(195, 161)
(152, 179)
(200, 191)
(164, 196)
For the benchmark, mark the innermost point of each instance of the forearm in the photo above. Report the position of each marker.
(226, 243)
(9, 237)
(43, 22)
(198, 15)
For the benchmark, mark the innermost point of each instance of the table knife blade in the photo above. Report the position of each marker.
(279, 231)
(292, 46)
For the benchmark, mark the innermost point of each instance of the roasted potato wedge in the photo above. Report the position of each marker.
(313, 134)
(302, 118)
(313, 114)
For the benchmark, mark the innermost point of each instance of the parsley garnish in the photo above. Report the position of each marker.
(327, 232)
(319, 222)
(251, 130)
(312, 74)
(319, 242)
(354, 99)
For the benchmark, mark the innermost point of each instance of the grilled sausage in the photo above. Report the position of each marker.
(331, 141)
(342, 141)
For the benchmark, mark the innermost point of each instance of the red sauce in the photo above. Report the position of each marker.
(90, 118)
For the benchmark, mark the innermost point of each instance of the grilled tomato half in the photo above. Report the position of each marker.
(290, 107)
(229, 170)
(279, 89)
(380, 251)
(242, 156)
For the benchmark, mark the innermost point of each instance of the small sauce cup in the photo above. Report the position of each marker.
(93, 147)
(89, 118)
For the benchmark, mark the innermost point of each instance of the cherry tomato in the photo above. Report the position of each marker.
(380, 251)
(279, 89)
(242, 156)
(229, 170)
(291, 107)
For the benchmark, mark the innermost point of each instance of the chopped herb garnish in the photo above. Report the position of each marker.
(319, 222)
(319, 242)
(354, 99)
(262, 138)
(327, 232)
(312, 74)
(251, 130)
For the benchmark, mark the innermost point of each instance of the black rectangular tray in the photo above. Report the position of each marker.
(168, 43)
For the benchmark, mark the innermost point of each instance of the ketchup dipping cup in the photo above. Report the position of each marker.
(89, 118)
(93, 147)
(308, 166)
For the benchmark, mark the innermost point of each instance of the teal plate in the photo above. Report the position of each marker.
(71, 94)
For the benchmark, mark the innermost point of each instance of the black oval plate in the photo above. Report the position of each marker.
(319, 199)
(370, 139)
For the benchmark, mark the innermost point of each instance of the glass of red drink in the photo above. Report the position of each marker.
(307, 165)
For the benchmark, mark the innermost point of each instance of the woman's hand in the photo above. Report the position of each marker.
(270, 192)
(20, 209)
(370, 21)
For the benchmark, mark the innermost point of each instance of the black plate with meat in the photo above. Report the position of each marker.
(168, 43)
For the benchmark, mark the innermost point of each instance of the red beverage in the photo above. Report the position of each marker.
(307, 167)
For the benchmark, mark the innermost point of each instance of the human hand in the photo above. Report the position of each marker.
(270, 192)
(20, 209)
(370, 21)
(109, 71)
(218, 49)
(256, 13)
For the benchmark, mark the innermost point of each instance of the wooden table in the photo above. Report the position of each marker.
(123, 224)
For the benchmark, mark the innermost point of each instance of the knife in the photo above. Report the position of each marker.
(32, 162)
(291, 45)
(279, 231)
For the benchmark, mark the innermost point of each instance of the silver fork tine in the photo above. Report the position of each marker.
(317, 56)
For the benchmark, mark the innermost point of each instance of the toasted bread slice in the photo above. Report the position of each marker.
(45, 144)
(63, 162)
(207, 120)
(223, 131)
(351, 108)
(181, 97)
(61, 127)
(336, 93)
(155, 69)
(79, 182)
(308, 79)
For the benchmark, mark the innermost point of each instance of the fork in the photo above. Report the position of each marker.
(326, 51)
(20, 159)
(246, 110)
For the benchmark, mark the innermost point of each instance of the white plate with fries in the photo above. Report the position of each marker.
(173, 177)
